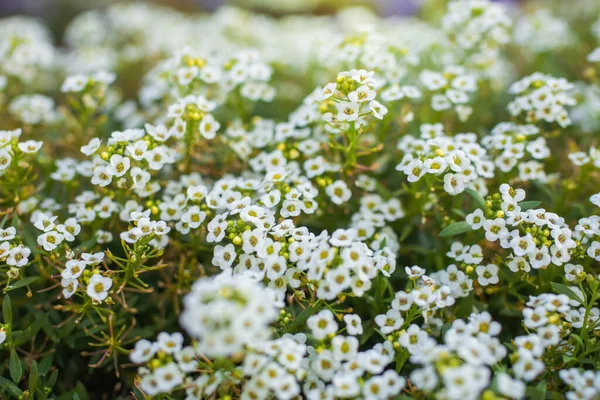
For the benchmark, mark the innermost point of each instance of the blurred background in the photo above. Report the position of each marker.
(57, 13)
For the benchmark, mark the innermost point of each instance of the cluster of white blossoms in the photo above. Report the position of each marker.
(585, 385)
(478, 27)
(227, 313)
(512, 145)
(542, 32)
(450, 89)
(549, 318)
(13, 253)
(459, 160)
(349, 99)
(536, 238)
(237, 206)
(12, 150)
(461, 363)
(26, 50)
(34, 109)
(541, 97)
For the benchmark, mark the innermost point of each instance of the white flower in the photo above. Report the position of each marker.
(454, 183)
(209, 127)
(50, 240)
(362, 94)
(73, 269)
(594, 250)
(91, 147)
(326, 92)
(30, 146)
(378, 109)
(487, 275)
(414, 272)
(338, 192)
(18, 256)
(347, 111)
(594, 56)
(118, 166)
(98, 287)
(224, 256)
(511, 388)
(168, 377)
(322, 324)
(143, 351)
(353, 324)
(102, 176)
(169, 343)
(69, 287)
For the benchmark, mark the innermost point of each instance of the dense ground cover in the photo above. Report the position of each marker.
(235, 206)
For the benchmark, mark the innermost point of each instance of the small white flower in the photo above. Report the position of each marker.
(98, 287)
(347, 111)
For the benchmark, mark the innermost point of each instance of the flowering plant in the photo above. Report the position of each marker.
(231, 207)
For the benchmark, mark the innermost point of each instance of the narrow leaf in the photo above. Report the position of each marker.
(7, 310)
(562, 289)
(15, 366)
(528, 205)
(7, 385)
(303, 316)
(34, 378)
(455, 229)
(22, 282)
(476, 196)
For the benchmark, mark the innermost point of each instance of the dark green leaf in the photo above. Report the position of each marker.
(455, 229)
(52, 381)
(459, 212)
(528, 205)
(22, 282)
(16, 369)
(137, 394)
(562, 289)
(23, 337)
(13, 389)
(476, 196)
(45, 364)
(537, 392)
(303, 316)
(34, 377)
(7, 310)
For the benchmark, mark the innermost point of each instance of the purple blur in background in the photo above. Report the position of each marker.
(52, 8)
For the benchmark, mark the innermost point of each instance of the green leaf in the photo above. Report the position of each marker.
(455, 229)
(459, 212)
(303, 316)
(13, 389)
(406, 230)
(34, 377)
(7, 310)
(137, 395)
(81, 391)
(23, 337)
(22, 282)
(528, 205)
(476, 196)
(578, 339)
(52, 380)
(45, 364)
(16, 369)
(537, 392)
(562, 289)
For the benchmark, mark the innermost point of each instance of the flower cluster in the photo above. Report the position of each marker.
(234, 205)
(541, 97)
